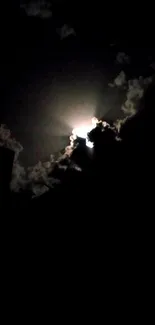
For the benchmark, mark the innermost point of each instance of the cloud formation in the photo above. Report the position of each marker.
(35, 178)
(135, 92)
(40, 9)
(6, 140)
(65, 31)
(119, 81)
(122, 58)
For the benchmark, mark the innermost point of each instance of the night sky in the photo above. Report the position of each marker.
(49, 86)
(89, 211)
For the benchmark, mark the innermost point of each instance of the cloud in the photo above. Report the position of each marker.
(119, 122)
(65, 31)
(9, 142)
(36, 178)
(119, 81)
(135, 92)
(40, 9)
(18, 171)
(18, 177)
(122, 58)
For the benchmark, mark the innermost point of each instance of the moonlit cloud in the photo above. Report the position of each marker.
(135, 92)
(35, 177)
(40, 9)
(39, 178)
(122, 58)
(65, 31)
(119, 81)
(8, 141)
(18, 177)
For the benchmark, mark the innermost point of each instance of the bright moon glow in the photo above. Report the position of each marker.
(89, 144)
(82, 131)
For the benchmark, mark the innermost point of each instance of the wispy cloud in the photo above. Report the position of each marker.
(135, 92)
(36, 178)
(119, 81)
(8, 141)
(40, 9)
(122, 58)
(65, 31)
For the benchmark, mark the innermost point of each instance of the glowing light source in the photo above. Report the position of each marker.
(82, 132)
(89, 144)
